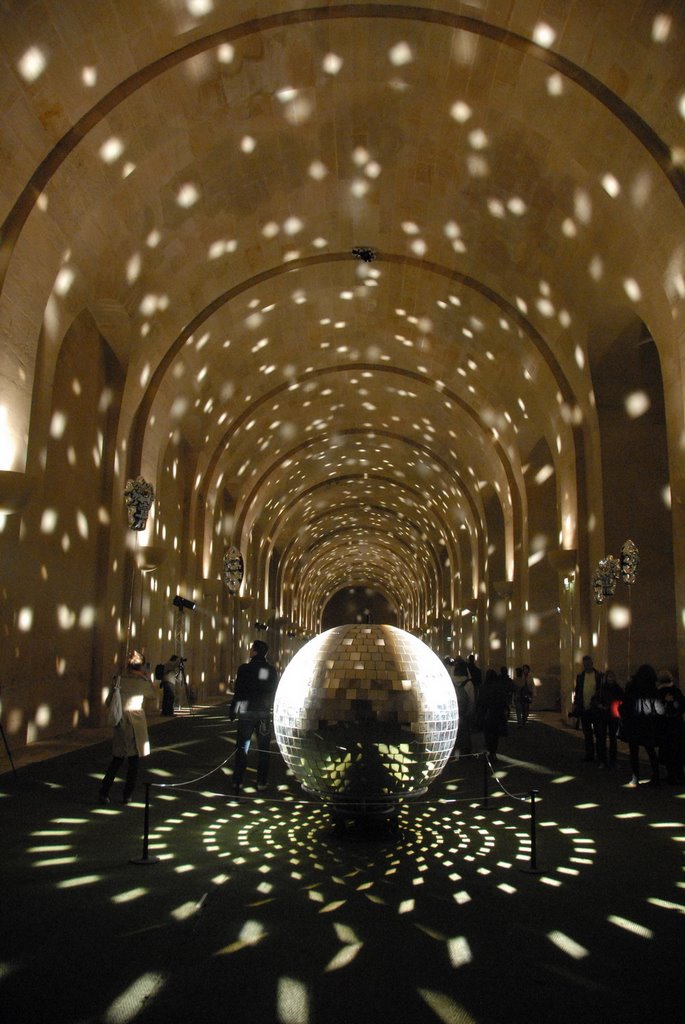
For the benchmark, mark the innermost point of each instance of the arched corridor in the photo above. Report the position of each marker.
(389, 296)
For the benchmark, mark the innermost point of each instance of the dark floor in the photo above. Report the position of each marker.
(255, 912)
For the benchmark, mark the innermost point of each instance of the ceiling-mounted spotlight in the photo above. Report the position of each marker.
(183, 602)
(364, 253)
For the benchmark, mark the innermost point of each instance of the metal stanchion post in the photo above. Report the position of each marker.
(533, 864)
(8, 751)
(146, 859)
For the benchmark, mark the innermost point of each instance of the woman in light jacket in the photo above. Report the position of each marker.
(129, 734)
(466, 700)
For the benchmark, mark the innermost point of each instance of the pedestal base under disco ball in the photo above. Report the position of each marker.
(364, 716)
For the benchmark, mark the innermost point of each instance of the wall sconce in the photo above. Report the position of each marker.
(364, 253)
(569, 581)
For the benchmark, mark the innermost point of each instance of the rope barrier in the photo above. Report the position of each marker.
(340, 802)
(512, 796)
(190, 782)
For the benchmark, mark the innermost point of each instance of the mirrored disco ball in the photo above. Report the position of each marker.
(365, 712)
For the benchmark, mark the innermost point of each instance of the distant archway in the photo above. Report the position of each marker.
(358, 604)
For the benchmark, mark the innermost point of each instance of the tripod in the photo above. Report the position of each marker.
(9, 752)
(184, 682)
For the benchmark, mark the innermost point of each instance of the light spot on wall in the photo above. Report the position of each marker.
(332, 63)
(58, 425)
(187, 195)
(133, 267)
(64, 280)
(555, 84)
(661, 28)
(401, 54)
(25, 620)
(200, 8)
(544, 474)
(544, 34)
(111, 150)
(619, 616)
(478, 139)
(42, 716)
(632, 289)
(66, 618)
(32, 64)
(82, 524)
(611, 185)
(637, 404)
(461, 112)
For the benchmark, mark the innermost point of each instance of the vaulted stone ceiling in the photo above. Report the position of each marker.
(196, 175)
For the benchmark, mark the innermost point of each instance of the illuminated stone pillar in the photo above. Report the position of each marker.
(564, 562)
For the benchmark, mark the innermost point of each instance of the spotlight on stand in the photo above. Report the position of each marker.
(260, 626)
(183, 602)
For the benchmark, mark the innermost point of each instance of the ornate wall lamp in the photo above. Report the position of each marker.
(139, 496)
(610, 571)
(232, 570)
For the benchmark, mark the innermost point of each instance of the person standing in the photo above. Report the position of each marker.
(509, 683)
(605, 705)
(169, 683)
(588, 682)
(130, 739)
(474, 672)
(640, 714)
(672, 729)
(466, 700)
(252, 705)
(492, 710)
(523, 694)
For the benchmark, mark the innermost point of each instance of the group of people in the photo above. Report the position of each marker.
(648, 714)
(252, 703)
(485, 702)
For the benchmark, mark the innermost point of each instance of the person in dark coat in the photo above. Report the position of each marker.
(604, 708)
(492, 710)
(523, 694)
(588, 683)
(641, 711)
(672, 730)
(474, 672)
(171, 672)
(252, 705)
